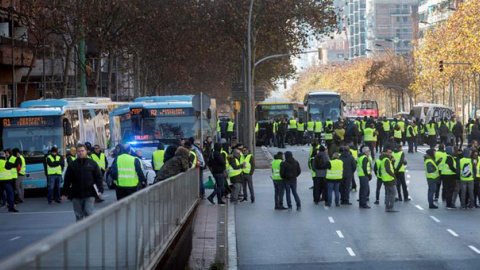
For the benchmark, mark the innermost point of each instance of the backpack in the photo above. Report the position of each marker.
(289, 171)
(320, 163)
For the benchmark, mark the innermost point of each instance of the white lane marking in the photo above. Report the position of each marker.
(452, 232)
(331, 220)
(14, 238)
(350, 251)
(406, 170)
(339, 233)
(436, 219)
(419, 207)
(52, 212)
(325, 207)
(409, 176)
(408, 181)
(474, 249)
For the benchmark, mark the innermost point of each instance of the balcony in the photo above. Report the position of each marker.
(22, 55)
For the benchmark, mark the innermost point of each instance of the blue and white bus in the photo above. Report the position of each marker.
(161, 118)
(40, 124)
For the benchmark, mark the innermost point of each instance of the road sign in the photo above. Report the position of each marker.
(201, 102)
(259, 94)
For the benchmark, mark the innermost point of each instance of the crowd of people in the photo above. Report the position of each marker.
(350, 146)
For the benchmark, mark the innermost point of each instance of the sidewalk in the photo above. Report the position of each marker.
(209, 236)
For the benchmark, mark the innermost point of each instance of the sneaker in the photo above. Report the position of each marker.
(221, 202)
(299, 208)
(354, 189)
(376, 202)
(13, 210)
(211, 200)
(315, 202)
(337, 204)
(282, 208)
(252, 200)
(289, 208)
(433, 206)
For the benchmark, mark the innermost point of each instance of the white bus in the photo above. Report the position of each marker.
(427, 111)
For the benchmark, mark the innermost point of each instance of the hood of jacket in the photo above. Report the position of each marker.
(182, 152)
(217, 147)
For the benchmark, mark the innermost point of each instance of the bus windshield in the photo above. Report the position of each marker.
(320, 108)
(34, 136)
(169, 123)
(270, 112)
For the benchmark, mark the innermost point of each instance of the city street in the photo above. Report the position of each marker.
(347, 237)
(36, 220)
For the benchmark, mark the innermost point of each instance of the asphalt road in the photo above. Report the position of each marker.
(347, 237)
(36, 220)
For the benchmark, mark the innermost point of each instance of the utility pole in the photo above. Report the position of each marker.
(251, 134)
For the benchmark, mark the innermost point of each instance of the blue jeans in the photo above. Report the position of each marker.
(364, 190)
(201, 184)
(292, 185)
(83, 207)
(333, 186)
(219, 186)
(6, 185)
(53, 186)
(279, 186)
(432, 186)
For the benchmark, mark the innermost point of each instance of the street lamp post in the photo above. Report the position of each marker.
(250, 137)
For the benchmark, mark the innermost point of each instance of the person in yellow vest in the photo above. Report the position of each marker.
(364, 170)
(278, 182)
(235, 173)
(230, 129)
(388, 177)
(376, 170)
(71, 155)
(83, 183)
(333, 178)
(292, 131)
(397, 134)
(466, 170)
(21, 168)
(369, 138)
(401, 124)
(99, 157)
(158, 157)
(440, 159)
(318, 129)
(6, 183)
(448, 175)
(411, 135)
(219, 131)
(432, 133)
(432, 174)
(300, 131)
(127, 173)
(399, 167)
(55, 165)
(310, 131)
(328, 133)
(249, 161)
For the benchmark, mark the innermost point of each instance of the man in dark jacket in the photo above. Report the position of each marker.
(458, 133)
(349, 167)
(282, 132)
(289, 171)
(320, 166)
(217, 165)
(83, 181)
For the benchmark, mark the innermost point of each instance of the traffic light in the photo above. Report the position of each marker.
(440, 65)
(364, 87)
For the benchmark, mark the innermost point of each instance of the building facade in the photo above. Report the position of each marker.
(355, 27)
(432, 12)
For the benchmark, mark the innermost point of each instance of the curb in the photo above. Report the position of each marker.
(232, 238)
(267, 153)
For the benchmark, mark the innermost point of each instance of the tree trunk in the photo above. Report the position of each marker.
(30, 68)
(110, 74)
(97, 75)
(65, 81)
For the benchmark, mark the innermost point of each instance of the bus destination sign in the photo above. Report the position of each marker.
(170, 112)
(24, 121)
(276, 107)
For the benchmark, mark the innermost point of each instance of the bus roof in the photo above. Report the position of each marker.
(322, 93)
(24, 112)
(49, 103)
(172, 98)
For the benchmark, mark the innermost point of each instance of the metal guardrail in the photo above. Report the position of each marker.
(133, 233)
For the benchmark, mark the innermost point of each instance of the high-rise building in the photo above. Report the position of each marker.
(390, 24)
(355, 27)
